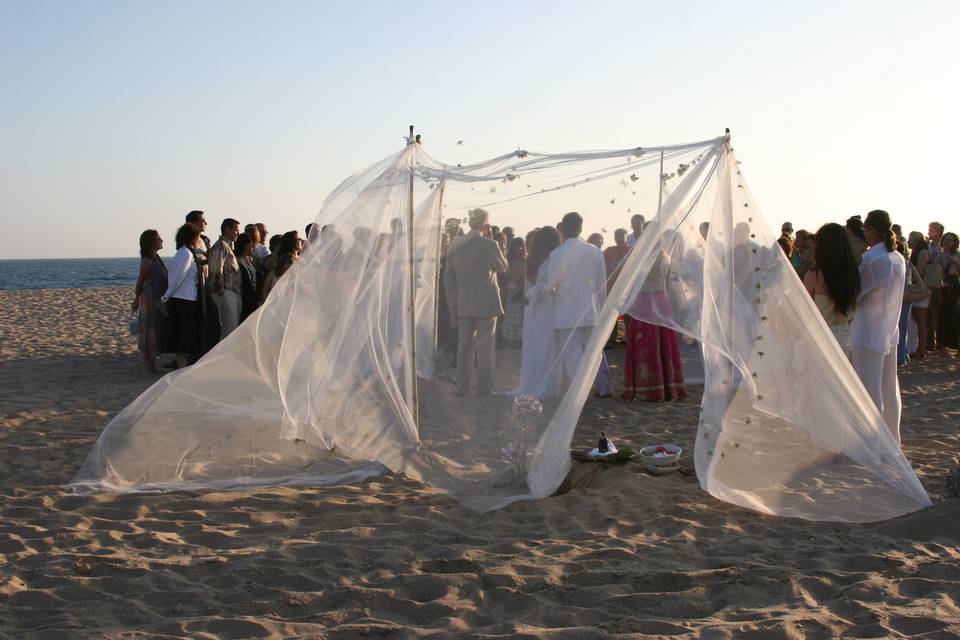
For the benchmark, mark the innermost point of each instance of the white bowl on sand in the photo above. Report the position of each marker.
(661, 471)
(660, 455)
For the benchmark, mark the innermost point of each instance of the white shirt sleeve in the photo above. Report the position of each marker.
(539, 290)
(553, 269)
(601, 284)
(177, 271)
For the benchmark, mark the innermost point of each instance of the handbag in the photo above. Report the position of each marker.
(916, 290)
(933, 273)
(134, 326)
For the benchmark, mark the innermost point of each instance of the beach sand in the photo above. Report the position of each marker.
(624, 554)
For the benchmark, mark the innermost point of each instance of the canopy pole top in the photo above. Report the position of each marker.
(411, 139)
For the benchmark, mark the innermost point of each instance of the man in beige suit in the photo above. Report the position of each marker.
(470, 283)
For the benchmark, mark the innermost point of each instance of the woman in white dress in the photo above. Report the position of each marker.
(834, 282)
(539, 372)
(874, 333)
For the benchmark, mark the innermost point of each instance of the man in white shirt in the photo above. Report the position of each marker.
(934, 236)
(261, 249)
(874, 332)
(577, 276)
(637, 223)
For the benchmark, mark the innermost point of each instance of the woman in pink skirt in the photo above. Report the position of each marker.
(652, 367)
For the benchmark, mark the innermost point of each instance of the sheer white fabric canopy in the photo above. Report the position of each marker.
(317, 386)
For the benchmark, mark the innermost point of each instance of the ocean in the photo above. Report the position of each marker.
(75, 273)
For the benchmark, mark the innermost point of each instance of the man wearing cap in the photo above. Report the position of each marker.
(473, 298)
(451, 228)
(786, 231)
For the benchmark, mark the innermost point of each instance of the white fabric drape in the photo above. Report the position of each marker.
(315, 387)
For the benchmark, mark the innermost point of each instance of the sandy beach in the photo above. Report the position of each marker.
(623, 555)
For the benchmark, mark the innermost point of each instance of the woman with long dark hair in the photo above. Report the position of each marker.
(288, 251)
(855, 234)
(874, 331)
(151, 284)
(834, 282)
(539, 374)
(515, 302)
(181, 297)
(289, 244)
(920, 258)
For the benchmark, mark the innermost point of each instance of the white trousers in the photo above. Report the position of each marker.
(573, 342)
(229, 305)
(878, 373)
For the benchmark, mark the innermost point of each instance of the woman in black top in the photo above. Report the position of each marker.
(243, 249)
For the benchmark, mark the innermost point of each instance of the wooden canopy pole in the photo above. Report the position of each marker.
(436, 287)
(660, 194)
(414, 398)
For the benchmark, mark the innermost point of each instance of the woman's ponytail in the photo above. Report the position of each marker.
(879, 221)
(889, 241)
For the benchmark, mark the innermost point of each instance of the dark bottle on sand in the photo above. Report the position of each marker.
(604, 445)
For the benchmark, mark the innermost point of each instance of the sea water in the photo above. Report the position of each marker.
(73, 273)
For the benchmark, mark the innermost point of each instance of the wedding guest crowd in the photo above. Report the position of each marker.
(928, 315)
(885, 299)
(556, 285)
(210, 288)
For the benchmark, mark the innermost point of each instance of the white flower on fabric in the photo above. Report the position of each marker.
(524, 404)
(517, 455)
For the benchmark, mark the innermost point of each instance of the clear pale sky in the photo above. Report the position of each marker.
(121, 116)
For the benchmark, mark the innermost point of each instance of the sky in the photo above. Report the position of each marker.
(116, 117)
